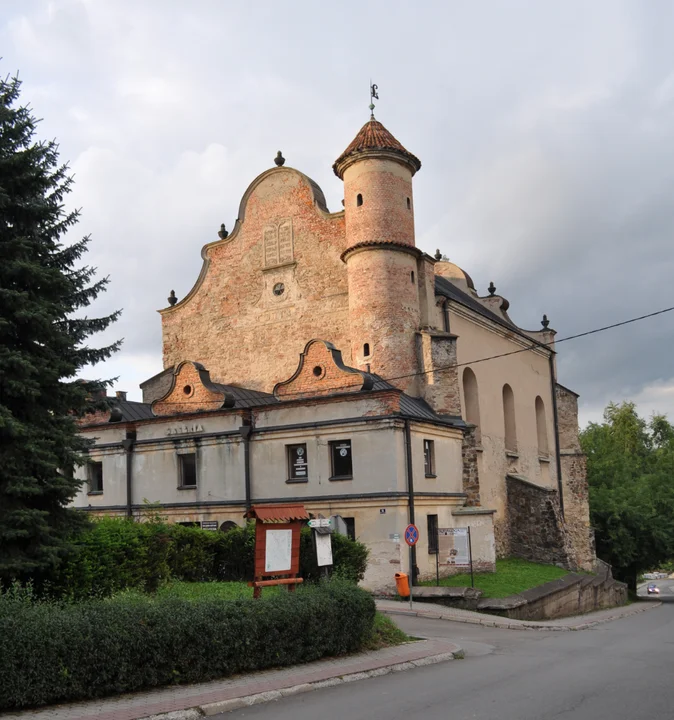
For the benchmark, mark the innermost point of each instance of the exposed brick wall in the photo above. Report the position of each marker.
(234, 324)
(319, 373)
(189, 393)
(384, 312)
(471, 479)
(384, 186)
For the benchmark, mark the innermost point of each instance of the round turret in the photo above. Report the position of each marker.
(381, 256)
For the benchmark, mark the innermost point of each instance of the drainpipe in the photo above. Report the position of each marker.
(128, 444)
(245, 431)
(445, 314)
(410, 498)
(555, 419)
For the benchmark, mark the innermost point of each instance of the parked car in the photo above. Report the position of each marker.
(653, 589)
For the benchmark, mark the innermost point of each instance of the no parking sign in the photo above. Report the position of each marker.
(411, 535)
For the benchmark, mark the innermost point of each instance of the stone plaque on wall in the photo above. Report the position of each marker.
(285, 241)
(278, 243)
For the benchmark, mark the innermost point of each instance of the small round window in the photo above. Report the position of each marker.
(279, 289)
(187, 389)
(318, 371)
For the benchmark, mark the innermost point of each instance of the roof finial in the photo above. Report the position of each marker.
(438, 254)
(491, 288)
(545, 322)
(279, 159)
(172, 299)
(374, 95)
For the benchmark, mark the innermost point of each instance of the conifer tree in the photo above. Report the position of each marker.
(43, 345)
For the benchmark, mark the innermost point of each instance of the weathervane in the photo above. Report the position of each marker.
(374, 95)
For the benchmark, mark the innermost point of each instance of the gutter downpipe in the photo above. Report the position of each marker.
(128, 444)
(245, 431)
(555, 418)
(410, 499)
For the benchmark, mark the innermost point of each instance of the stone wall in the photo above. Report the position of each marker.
(471, 479)
(580, 535)
(439, 384)
(535, 526)
(571, 595)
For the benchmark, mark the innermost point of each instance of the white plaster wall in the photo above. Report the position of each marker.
(448, 461)
(322, 412)
(528, 375)
(377, 453)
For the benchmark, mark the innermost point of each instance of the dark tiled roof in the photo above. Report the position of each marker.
(416, 407)
(447, 289)
(374, 136)
(132, 410)
(245, 398)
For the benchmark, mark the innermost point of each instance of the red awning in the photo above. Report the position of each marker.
(280, 513)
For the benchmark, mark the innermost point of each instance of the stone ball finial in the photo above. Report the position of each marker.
(491, 288)
(438, 254)
(172, 299)
(279, 159)
(222, 232)
(545, 322)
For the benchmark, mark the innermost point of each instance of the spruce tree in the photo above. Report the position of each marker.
(43, 345)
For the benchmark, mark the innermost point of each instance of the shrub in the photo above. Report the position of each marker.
(53, 653)
(117, 554)
(349, 558)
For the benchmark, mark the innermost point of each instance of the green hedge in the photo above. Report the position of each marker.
(53, 652)
(117, 554)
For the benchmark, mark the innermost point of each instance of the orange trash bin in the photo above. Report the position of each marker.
(402, 584)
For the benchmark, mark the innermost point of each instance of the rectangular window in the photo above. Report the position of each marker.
(340, 459)
(350, 527)
(95, 471)
(429, 458)
(298, 467)
(432, 527)
(188, 470)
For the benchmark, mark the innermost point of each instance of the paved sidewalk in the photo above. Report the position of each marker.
(577, 622)
(222, 695)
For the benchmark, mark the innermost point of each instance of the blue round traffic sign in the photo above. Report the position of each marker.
(411, 535)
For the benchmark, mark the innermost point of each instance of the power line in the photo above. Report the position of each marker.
(491, 357)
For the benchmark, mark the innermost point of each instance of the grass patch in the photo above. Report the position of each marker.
(385, 633)
(512, 576)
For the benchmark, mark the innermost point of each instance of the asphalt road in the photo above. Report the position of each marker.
(618, 670)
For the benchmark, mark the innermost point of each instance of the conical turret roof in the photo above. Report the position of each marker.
(372, 138)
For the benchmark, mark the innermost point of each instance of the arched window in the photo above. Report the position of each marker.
(412, 276)
(409, 204)
(366, 350)
(541, 428)
(509, 419)
(359, 199)
(472, 401)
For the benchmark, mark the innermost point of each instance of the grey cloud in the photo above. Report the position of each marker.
(546, 133)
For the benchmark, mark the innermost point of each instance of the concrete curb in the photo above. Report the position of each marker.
(520, 625)
(247, 700)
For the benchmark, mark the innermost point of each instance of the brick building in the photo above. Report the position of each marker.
(323, 358)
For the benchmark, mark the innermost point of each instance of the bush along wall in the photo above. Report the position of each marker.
(117, 554)
(52, 652)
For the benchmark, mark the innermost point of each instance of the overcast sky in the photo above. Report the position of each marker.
(545, 130)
